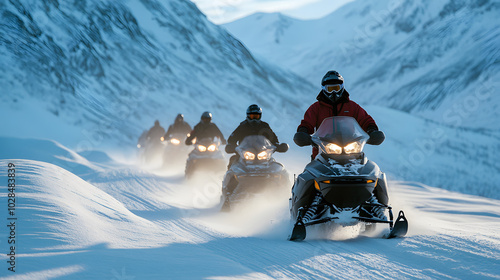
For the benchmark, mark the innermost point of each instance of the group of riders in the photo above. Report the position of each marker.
(332, 101)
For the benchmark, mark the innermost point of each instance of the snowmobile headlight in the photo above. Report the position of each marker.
(263, 155)
(175, 141)
(212, 148)
(162, 139)
(202, 148)
(353, 148)
(249, 156)
(138, 146)
(331, 148)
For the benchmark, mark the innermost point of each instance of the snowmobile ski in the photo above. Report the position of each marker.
(299, 229)
(298, 232)
(400, 227)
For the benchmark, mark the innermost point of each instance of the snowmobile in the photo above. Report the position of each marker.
(141, 146)
(205, 156)
(254, 172)
(341, 185)
(149, 149)
(175, 150)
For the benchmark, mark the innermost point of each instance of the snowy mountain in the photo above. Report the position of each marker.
(437, 59)
(108, 69)
(116, 221)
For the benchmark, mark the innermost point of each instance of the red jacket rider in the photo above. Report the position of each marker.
(333, 100)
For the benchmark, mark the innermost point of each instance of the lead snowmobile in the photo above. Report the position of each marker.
(256, 171)
(341, 185)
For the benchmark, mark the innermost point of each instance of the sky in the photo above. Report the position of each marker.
(224, 11)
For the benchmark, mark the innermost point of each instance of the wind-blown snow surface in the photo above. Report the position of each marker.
(437, 59)
(115, 221)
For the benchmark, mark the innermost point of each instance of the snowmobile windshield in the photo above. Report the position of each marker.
(255, 148)
(340, 135)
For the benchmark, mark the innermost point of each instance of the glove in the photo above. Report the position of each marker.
(376, 137)
(281, 148)
(302, 139)
(230, 148)
(223, 141)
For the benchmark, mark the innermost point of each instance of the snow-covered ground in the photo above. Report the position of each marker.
(87, 216)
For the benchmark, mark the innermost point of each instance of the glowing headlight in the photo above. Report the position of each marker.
(175, 141)
(262, 155)
(212, 148)
(202, 148)
(353, 148)
(333, 149)
(162, 139)
(139, 146)
(249, 156)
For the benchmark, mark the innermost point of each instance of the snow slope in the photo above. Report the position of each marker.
(87, 72)
(122, 222)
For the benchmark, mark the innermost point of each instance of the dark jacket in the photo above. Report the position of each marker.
(325, 108)
(205, 130)
(155, 133)
(247, 128)
(181, 127)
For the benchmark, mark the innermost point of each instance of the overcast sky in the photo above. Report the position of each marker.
(223, 11)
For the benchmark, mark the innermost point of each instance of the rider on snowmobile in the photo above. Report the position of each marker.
(179, 126)
(205, 129)
(333, 100)
(155, 133)
(252, 125)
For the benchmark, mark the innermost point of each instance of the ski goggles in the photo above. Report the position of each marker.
(333, 88)
(254, 116)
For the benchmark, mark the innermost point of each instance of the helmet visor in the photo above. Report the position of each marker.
(253, 116)
(333, 88)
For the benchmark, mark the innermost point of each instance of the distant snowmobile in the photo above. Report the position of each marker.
(175, 151)
(148, 148)
(141, 145)
(205, 156)
(254, 172)
(341, 185)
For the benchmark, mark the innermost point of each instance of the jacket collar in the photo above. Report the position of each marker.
(344, 99)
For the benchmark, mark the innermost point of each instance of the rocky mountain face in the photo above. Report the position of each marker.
(436, 59)
(115, 66)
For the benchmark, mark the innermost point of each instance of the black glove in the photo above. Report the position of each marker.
(223, 141)
(281, 148)
(376, 137)
(302, 139)
(230, 148)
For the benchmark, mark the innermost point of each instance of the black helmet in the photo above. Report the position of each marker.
(254, 112)
(332, 85)
(206, 117)
(157, 122)
(179, 118)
